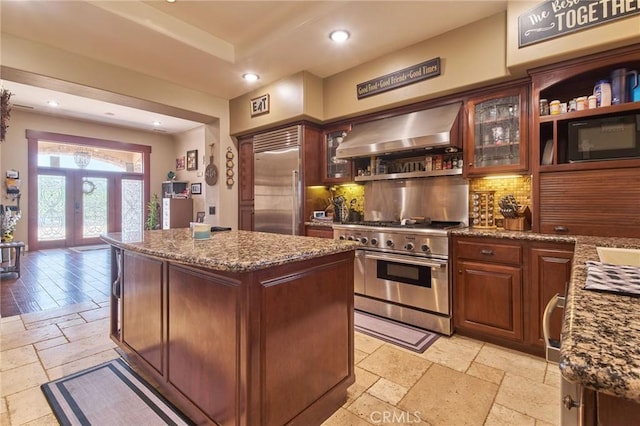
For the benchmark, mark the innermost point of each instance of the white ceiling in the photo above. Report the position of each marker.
(208, 45)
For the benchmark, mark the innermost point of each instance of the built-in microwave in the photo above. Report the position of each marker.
(604, 138)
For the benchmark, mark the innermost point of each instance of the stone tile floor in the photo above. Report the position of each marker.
(457, 381)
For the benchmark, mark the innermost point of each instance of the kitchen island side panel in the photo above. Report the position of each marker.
(264, 347)
(305, 335)
(204, 340)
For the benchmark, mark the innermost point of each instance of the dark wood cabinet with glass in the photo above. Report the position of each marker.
(335, 170)
(496, 134)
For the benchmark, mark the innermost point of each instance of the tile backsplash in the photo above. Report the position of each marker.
(518, 186)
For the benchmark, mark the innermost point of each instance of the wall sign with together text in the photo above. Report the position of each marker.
(555, 18)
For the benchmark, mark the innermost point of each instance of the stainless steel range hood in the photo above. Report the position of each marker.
(431, 128)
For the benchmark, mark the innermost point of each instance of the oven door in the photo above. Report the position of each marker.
(407, 280)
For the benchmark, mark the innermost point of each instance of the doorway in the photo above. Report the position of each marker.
(80, 189)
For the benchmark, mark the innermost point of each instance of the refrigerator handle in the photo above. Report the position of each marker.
(294, 191)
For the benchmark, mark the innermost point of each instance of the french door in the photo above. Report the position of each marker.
(80, 188)
(75, 206)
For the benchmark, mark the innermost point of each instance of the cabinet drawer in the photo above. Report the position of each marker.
(489, 252)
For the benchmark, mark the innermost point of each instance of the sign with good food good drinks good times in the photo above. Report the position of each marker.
(555, 18)
(404, 77)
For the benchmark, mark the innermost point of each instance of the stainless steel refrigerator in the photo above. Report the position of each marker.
(277, 181)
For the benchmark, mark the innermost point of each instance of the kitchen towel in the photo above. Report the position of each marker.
(622, 279)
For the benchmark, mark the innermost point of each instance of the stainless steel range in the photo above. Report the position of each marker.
(402, 271)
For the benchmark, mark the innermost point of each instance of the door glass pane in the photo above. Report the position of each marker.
(94, 207)
(497, 132)
(68, 156)
(51, 208)
(132, 209)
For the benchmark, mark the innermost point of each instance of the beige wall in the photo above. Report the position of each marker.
(296, 96)
(471, 56)
(14, 150)
(220, 196)
(595, 39)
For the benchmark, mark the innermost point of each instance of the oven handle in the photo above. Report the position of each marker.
(405, 259)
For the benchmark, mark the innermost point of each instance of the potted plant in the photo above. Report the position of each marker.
(153, 213)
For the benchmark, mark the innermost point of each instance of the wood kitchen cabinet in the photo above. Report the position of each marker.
(335, 170)
(319, 231)
(142, 308)
(549, 273)
(245, 190)
(488, 288)
(496, 134)
(583, 197)
(501, 287)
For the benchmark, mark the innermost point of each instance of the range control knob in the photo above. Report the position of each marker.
(389, 243)
(408, 246)
(350, 238)
(341, 237)
(364, 240)
(425, 248)
(374, 241)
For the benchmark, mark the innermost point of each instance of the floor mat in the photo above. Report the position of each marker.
(403, 335)
(82, 249)
(109, 394)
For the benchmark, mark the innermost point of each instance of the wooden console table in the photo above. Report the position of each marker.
(15, 267)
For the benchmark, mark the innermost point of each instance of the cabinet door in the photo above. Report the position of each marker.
(335, 170)
(245, 217)
(142, 288)
(496, 137)
(550, 270)
(488, 299)
(320, 232)
(245, 169)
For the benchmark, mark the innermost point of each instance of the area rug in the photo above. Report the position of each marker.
(406, 336)
(82, 249)
(109, 394)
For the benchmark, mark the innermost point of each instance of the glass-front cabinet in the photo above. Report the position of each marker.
(496, 139)
(335, 170)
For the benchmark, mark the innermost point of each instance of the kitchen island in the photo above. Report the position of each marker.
(244, 328)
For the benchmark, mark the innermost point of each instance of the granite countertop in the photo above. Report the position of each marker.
(322, 223)
(600, 346)
(234, 251)
(601, 331)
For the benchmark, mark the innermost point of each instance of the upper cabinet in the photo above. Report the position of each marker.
(335, 170)
(555, 136)
(496, 133)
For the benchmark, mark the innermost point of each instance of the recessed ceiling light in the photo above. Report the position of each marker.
(249, 76)
(156, 123)
(339, 36)
(171, 1)
(53, 103)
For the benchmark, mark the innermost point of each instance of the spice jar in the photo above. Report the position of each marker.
(593, 102)
(554, 107)
(581, 103)
(544, 107)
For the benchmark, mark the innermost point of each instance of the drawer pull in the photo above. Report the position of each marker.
(560, 228)
(486, 252)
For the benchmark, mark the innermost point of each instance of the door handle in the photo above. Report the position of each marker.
(552, 349)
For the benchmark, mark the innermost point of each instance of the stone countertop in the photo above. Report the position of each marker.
(601, 331)
(233, 251)
(321, 223)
